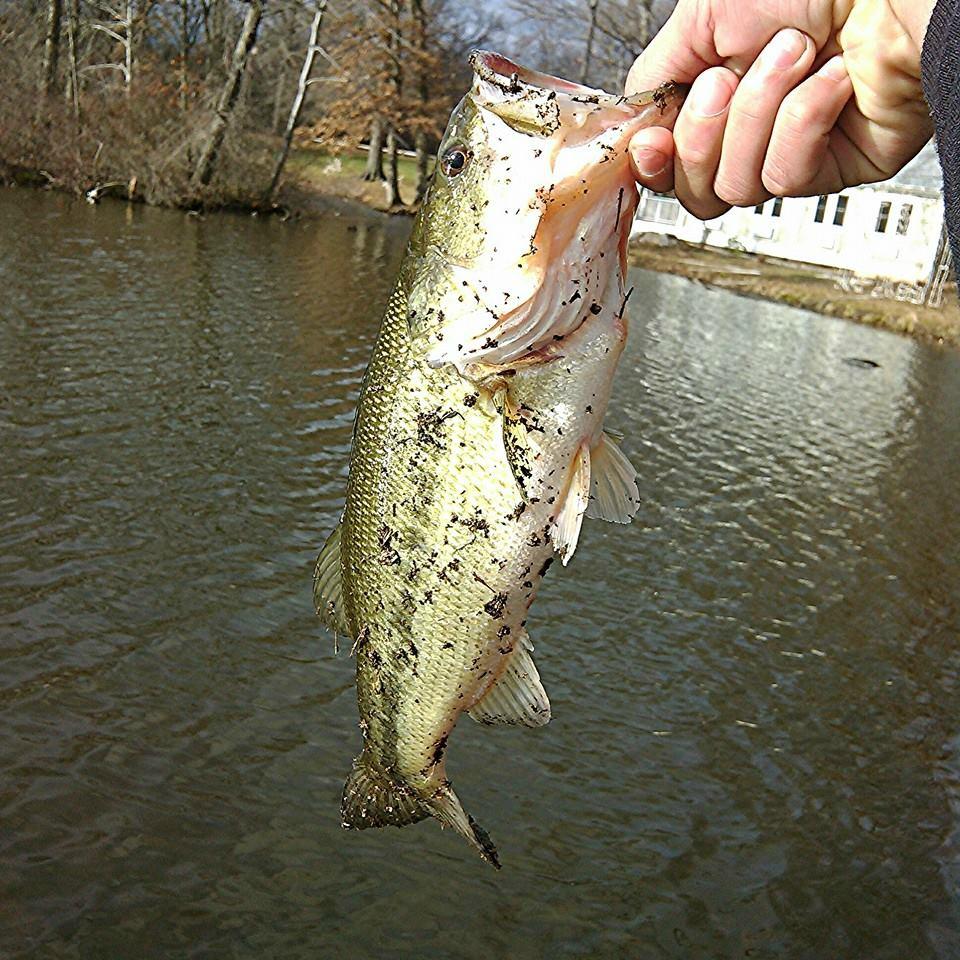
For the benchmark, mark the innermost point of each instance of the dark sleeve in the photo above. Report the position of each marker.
(940, 65)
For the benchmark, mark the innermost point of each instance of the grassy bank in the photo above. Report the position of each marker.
(312, 171)
(801, 285)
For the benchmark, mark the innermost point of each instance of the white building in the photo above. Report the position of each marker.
(892, 230)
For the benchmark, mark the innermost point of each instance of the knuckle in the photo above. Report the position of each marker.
(750, 106)
(737, 191)
(782, 178)
(696, 153)
(797, 115)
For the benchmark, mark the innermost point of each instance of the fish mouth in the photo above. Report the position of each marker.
(514, 79)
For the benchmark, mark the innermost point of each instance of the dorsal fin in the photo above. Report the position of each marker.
(613, 494)
(327, 586)
(517, 695)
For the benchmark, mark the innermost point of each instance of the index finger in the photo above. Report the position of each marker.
(670, 55)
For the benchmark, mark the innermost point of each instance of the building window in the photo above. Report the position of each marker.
(882, 217)
(821, 210)
(657, 209)
(840, 212)
(903, 224)
(777, 207)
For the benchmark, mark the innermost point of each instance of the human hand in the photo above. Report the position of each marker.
(795, 98)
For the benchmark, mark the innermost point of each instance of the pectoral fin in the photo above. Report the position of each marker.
(327, 586)
(613, 495)
(517, 695)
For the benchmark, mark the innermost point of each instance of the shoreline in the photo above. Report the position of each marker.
(806, 286)
(319, 185)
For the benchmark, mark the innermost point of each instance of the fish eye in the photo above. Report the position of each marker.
(453, 161)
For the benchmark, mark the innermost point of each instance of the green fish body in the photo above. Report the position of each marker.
(478, 445)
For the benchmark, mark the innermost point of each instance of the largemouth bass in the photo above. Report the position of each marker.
(479, 446)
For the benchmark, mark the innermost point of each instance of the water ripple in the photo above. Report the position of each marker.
(754, 686)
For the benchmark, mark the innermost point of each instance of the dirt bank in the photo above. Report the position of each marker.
(800, 285)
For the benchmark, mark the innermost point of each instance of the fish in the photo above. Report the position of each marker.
(478, 445)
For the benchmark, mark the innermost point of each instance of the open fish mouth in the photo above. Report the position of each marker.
(512, 80)
(515, 79)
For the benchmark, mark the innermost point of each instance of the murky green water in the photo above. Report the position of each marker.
(756, 743)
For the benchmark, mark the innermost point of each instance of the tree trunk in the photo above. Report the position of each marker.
(374, 169)
(279, 86)
(423, 91)
(297, 104)
(393, 179)
(73, 76)
(588, 52)
(423, 165)
(51, 46)
(184, 52)
(215, 31)
(128, 47)
(228, 96)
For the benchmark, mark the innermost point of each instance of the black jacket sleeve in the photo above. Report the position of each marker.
(940, 66)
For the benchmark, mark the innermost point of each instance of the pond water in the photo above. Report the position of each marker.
(755, 749)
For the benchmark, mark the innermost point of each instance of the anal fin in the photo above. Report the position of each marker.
(328, 586)
(517, 695)
(613, 494)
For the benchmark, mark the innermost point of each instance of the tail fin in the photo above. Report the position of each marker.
(447, 809)
(371, 798)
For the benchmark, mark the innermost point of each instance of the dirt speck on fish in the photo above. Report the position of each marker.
(479, 444)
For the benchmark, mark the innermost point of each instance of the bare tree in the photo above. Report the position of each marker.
(423, 94)
(119, 26)
(228, 96)
(600, 40)
(51, 46)
(184, 67)
(395, 48)
(297, 105)
(392, 183)
(73, 75)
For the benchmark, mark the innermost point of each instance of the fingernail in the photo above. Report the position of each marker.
(834, 69)
(650, 162)
(710, 97)
(785, 49)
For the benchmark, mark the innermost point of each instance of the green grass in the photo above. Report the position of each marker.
(311, 161)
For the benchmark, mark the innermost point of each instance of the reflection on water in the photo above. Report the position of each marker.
(754, 750)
